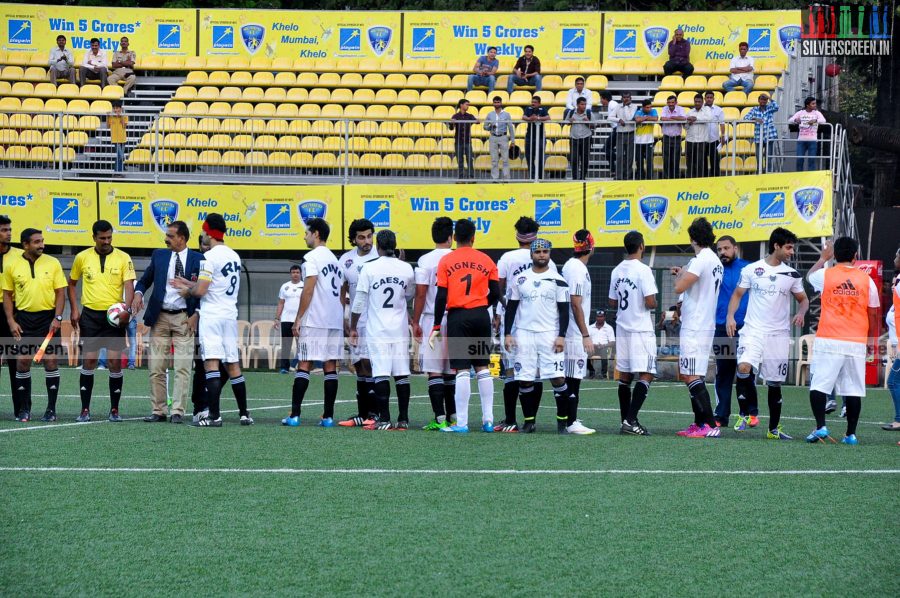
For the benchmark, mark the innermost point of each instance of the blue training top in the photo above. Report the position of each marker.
(730, 280)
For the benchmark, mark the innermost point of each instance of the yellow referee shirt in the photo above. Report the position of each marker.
(34, 285)
(6, 258)
(104, 277)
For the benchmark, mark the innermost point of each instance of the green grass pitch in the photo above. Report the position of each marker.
(270, 510)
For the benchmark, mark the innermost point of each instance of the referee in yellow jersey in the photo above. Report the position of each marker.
(7, 254)
(34, 297)
(106, 274)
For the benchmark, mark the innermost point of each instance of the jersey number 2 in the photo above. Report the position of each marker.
(390, 297)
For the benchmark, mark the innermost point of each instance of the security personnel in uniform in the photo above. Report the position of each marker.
(7, 254)
(35, 284)
(106, 274)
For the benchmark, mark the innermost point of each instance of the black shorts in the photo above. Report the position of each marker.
(469, 338)
(96, 332)
(6, 340)
(35, 325)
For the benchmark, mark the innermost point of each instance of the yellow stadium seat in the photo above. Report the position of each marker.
(170, 108)
(254, 126)
(218, 109)
(166, 123)
(352, 80)
(256, 159)
(310, 110)
(441, 82)
(446, 145)
(341, 95)
(197, 108)
(355, 111)
(232, 158)
(220, 141)
(597, 82)
(332, 111)
(425, 145)
(242, 141)
(750, 164)
(164, 156)
(10, 104)
(88, 122)
(242, 109)
(304, 65)
(768, 67)
(520, 98)
(440, 162)
(75, 138)
(208, 125)
(443, 113)
(197, 140)
(553, 82)
(459, 81)
(196, 78)
(366, 127)
(457, 66)
(260, 63)
(408, 96)
(55, 105)
(307, 79)
(297, 95)
(325, 161)
(417, 81)
(139, 156)
(279, 160)
(561, 146)
(685, 98)
(265, 143)
(389, 128)
(17, 153)
(264, 110)
(671, 83)
(12, 73)
(716, 81)
(195, 63)
(417, 162)
(421, 113)
(319, 94)
(393, 161)
(64, 154)
(288, 143)
(9, 137)
(149, 140)
(386, 97)
(253, 94)
(333, 144)
(359, 144)
(412, 129)
(744, 130)
(112, 92)
(186, 157)
(705, 67)
(395, 81)
(556, 164)
(186, 125)
(372, 80)
(365, 96)
(43, 121)
(241, 79)
(287, 110)
(209, 158)
(482, 162)
(67, 90)
(377, 144)
(398, 112)
(695, 83)
(22, 89)
(402, 145)
(207, 93)
(174, 141)
(431, 97)
(89, 92)
(301, 160)
(66, 122)
(434, 128)
(219, 78)
(277, 126)
(284, 79)
(275, 95)
(477, 97)
(311, 143)
(216, 63)
(329, 79)
(281, 64)
(230, 94)
(735, 98)
(451, 97)
(5, 87)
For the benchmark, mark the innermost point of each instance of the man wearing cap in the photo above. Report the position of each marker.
(578, 338)
(603, 339)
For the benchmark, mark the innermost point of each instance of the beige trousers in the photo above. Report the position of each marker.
(170, 330)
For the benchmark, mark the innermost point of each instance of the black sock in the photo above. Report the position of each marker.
(700, 397)
(435, 395)
(561, 396)
(301, 383)
(330, 391)
(11, 364)
(383, 396)
(774, 406)
(371, 398)
(574, 385)
(637, 399)
(214, 393)
(402, 385)
(624, 400)
(450, 394)
(239, 388)
(23, 390)
(854, 407)
(746, 393)
(362, 393)
(115, 389)
(86, 387)
(526, 396)
(51, 379)
(817, 400)
(510, 400)
(198, 391)
(536, 395)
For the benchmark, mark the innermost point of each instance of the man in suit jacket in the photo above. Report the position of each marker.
(171, 319)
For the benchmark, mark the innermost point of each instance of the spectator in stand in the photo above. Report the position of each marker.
(670, 323)
(716, 135)
(695, 140)
(94, 66)
(62, 61)
(673, 116)
(764, 133)
(123, 66)
(643, 139)
(809, 120)
(503, 134)
(118, 126)
(485, 71)
(609, 147)
(577, 92)
(535, 138)
(462, 139)
(741, 71)
(580, 143)
(286, 313)
(623, 116)
(526, 72)
(604, 339)
(679, 56)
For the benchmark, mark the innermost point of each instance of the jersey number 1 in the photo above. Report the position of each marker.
(468, 280)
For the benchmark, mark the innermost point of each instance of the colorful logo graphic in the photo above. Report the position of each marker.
(252, 36)
(548, 212)
(378, 211)
(771, 205)
(222, 37)
(789, 37)
(164, 213)
(65, 210)
(380, 39)
(168, 36)
(423, 39)
(349, 39)
(759, 39)
(19, 31)
(618, 212)
(131, 213)
(808, 200)
(653, 210)
(656, 39)
(278, 215)
(625, 40)
(312, 208)
(572, 41)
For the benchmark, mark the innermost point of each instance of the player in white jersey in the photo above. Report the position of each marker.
(320, 322)
(578, 336)
(360, 235)
(435, 364)
(385, 286)
(699, 283)
(218, 286)
(534, 328)
(632, 291)
(765, 340)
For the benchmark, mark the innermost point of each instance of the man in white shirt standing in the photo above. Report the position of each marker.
(699, 283)
(572, 97)
(435, 363)
(361, 236)
(623, 116)
(741, 70)
(385, 286)
(286, 312)
(716, 134)
(697, 137)
(603, 337)
(632, 291)
(319, 324)
(94, 65)
(502, 134)
(609, 147)
(218, 287)
(578, 337)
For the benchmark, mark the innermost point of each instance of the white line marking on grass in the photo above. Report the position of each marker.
(448, 472)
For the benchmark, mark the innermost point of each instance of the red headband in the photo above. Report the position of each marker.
(586, 245)
(218, 235)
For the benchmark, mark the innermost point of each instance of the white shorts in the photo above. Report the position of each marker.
(636, 352)
(361, 350)
(433, 360)
(576, 358)
(844, 374)
(320, 344)
(534, 357)
(694, 351)
(389, 356)
(767, 353)
(218, 339)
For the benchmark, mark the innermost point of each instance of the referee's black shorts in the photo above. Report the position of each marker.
(7, 343)
(96, 332)
(35, 325)
(469, 337)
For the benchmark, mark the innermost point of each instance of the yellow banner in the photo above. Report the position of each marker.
(745, 207)
(410, 210)
(63, 210)
(298, 34)
(644, 36)
(465, 36)
(258, 217)
(30, 28)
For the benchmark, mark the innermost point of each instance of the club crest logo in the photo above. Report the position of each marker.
(656, 39)
(653, 210)
(759, 272)
(252, 37)
(380, 38)
(311, 209)
(520, 280)
(788, 38)
(164, 212)
(808, 200)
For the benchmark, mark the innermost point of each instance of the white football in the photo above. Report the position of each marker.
(114, 313)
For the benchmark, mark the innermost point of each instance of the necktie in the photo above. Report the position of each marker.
(179, 267)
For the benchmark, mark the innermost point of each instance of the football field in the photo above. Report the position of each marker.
(151, 509)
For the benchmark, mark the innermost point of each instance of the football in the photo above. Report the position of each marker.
(114, 314)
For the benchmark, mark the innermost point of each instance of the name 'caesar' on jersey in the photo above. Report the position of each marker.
(221, 267)
(770, 288)
(325, 309)
(538, 295)
(389, 283)
(631, 282)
